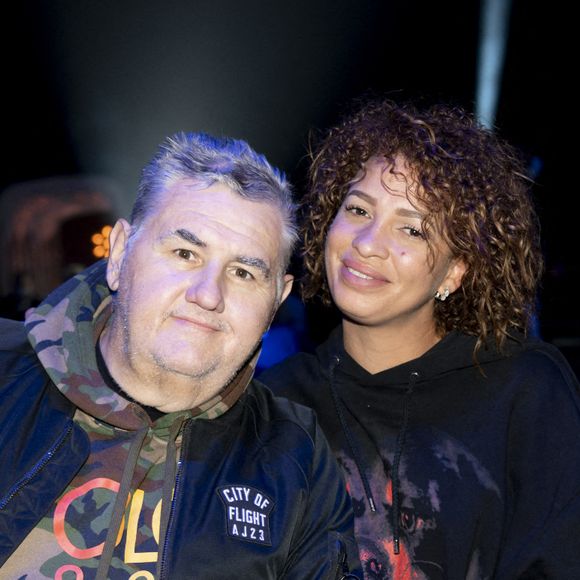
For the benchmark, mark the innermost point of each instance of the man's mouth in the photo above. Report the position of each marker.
(188, 320)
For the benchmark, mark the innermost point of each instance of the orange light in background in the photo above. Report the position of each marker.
(100, 242)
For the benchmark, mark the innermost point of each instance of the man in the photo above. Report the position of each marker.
(133, 442)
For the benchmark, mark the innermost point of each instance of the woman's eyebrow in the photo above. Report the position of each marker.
(364, 196)
(411, 213)
(404, 212)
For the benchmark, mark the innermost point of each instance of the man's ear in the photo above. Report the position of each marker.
(287, 287)
(288, 282)
(118, 239)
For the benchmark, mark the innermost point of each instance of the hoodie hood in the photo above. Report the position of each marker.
(64, 329)
(452, 353)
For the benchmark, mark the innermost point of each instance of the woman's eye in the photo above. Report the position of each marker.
(414, 232)
(356, 210)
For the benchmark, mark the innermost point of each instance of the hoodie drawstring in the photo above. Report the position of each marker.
(413, 377)
(349, 438)
(120, 504)
(400, 445)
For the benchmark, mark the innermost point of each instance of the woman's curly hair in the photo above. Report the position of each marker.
(474, 188)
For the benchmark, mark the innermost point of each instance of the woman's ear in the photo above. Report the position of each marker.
(455, 274)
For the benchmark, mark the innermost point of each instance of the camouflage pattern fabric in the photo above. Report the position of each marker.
(125, 446)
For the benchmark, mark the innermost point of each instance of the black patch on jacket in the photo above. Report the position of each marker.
(247, 512)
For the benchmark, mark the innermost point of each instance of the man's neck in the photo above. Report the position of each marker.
(153, 413)
(152, 387)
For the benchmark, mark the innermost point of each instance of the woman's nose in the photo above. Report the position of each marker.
(371, 241)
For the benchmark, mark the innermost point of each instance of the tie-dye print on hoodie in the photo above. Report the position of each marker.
(455, 470)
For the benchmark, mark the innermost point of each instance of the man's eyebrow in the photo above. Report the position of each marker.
(189, 237)
(256, 263)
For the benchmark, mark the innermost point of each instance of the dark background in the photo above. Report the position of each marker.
(90, 88)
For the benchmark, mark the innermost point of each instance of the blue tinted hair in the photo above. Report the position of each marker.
(207, 160)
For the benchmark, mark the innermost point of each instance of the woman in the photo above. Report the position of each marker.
(458, 433)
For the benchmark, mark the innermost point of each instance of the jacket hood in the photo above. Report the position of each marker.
(64, 329)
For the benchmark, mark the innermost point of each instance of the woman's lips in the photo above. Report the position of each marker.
(360, 275)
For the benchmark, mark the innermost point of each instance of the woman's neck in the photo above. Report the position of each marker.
(380, 348)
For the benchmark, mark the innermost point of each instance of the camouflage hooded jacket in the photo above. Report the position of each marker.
(244, 487)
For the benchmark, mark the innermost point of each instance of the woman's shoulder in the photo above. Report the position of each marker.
(535, 357)
(539, 371)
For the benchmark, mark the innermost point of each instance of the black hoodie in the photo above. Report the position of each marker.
(455, 470)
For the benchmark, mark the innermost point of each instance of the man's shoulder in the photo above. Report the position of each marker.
(13, 336)
(286, 421)
(24, 384)
(15, 350)
(296, 364)
(298, 378)
(276, 407)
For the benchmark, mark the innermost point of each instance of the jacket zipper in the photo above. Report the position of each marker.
(28, 476)
(342, 572)
(170, 519)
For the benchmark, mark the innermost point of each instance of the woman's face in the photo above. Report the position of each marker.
(377, 257)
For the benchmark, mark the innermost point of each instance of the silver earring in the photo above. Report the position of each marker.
(442, 296)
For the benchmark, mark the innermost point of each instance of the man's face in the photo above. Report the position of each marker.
(196, 285)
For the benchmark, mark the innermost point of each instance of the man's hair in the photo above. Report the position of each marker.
(476, 194)
(207, 160)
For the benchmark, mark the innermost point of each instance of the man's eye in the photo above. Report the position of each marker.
(243, 274)
(184, 254)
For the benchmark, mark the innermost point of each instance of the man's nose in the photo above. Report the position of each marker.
(372, 241)
(206, 289)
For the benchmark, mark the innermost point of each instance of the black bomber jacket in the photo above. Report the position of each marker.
(267, 445)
